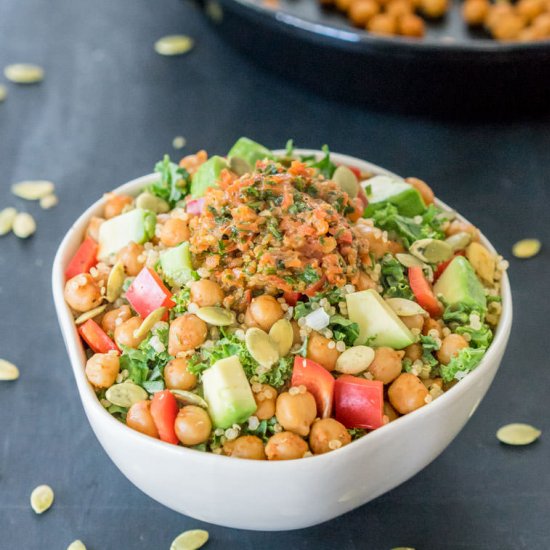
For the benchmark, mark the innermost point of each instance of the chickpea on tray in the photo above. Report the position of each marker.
(278, 306)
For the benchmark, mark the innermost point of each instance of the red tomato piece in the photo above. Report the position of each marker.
(164, 409)
(358, 402)
(443, 265)
(291, 297)
(96, 337)
(423, 292)
(318, 381)
(83, 260)
(147, 293)
(311, 290)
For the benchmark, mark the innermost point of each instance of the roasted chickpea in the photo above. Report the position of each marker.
(382, 23)
(112, 319)
(192, 162)
(434, 8)
(327, 435)
(431, 324)
(124, 333)
(343, 5)
(115, 204)
(399, 8)
(186, 333)
(82, 292)
(192, 425)
(361, 11)
(177, 377)
(246, 446)
(139, 418)
(93, 228)
(132, 258)
(285, 446)
(173, 232)
(265, 398)
(206, 293)
(264, 311)
(496, 11)
(413, 352)
(386, 365)
(390, 412)
(410, 24)
(102, 369)
(318, 351)
(364, 282)
(475, 11)
(508, 27)
(450, 346)
(296, 411)
(541, 24)
(413, 321)
(407, 393)
(529, 9)
(423, 188)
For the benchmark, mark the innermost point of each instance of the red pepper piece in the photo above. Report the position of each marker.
(83, 260)
(164, 409)
(318, 382)
(96, 337)
(147, 293)
(423, 292)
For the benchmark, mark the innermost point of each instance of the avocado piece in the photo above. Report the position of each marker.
(138, 226)
(207, 176)
(250, 151)
(459, 285)
(176, 264)
(383, 189)
(378, 323)
(228, 393)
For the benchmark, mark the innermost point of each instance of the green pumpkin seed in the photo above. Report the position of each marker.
(432, 251)
(459, 241)
(179, 142)
(239, 166)
(76, 545)
(189, 398)
(261, 347)
(526, 248)
(24, 73)
(407, 260)
(115, 281)
(23, 225)
(214, 11)
(6, 220)
(282, 335)
(3, 93)
(32, 190)
(518, 434)
(155, 204)
(347, 181)
(149, 322)
(405, 308)
(42, 498)
(216, 316)
(90, 314)
(190, 540)
(8, 371)
(355, 360)
(49, 201)
(125, 394)
(176, 44)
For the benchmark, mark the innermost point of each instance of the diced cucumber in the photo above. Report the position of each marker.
(207, 176)
(176, 264)
(381, 190)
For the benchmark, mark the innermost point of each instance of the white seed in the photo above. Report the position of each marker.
(526, 248)
(89, 314)
(115, 282)
(149, 322)
(176, 44)
(8, 371)
(518, 434)
(216, 316)
(49, 201)
(355, 360)
(261, 347)
(282, 335)
(32, 190)
(6, 220)
(42, 498)
(76, 545)
(459, 241)
(24, 73)
(3, 93)
(347, 181)
(190, 540)
(408, 260)
(179, 142)
(405, 308)
(190, 398)
(23, 225)
(125, 394)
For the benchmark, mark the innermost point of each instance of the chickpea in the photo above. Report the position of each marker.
(102, 369)
(382, 23)
(124, 333)
(496, 11)
(115, 204)
(82, 293)
(390, 412)
(132, 258)
(296, 412)
(542, 24)
(177, 377)
(456, 226)
(361, 11)
(386, 365)
(423, 188)
(264, 311)
(413, 352)
(265, 399)
(508, 27)
(450, 346)
(431, 324)
(410, 24)
(327, 435)
(186, 333)
(475, 11)
(206, 293)
(285, 446)
(528, 34)
(318, 351)
(399, 8)
(110, 320)
(529, 9)
(192, 162)
(192, 425)
(173, 232)
(434, 8)
(364, 282)
(246, 446)
(93, 228)
(407, 393)
(431, 382)
(343, 5)
(413, 321)
(139, 418)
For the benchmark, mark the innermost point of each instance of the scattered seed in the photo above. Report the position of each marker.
(115, 282)
(189, 398)
(148, 201)
(176, 44)
(179, 142)
(149, 322)
(125, 394)
(282, 335)
(42, 498)
(432, 251)
(347, 181)
(190, 540)
(216, 316)
(6, 220)
(3, 93)
(408, 260)
(8, 371)
(76, 545)
(239, 166)
(459, 241)
(405, 308)
(518, 434)
(90, 314)
(32, 190)
(23, 225)
(355, 360)
(261, 347)
(214, 11)
(24, 73)
(403, 548)
(526, 248)
(49, 201)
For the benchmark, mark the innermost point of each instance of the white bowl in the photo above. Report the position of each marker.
(294, 494)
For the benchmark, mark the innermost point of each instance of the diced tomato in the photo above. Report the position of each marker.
(423, 292)
(96, 337)
(311, 290)
(291, 297)
(318, 382)
(358, 402)
(147, 293)
(443, 265)
(164, 409)
(84, 259)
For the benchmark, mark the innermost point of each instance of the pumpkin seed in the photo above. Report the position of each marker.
(282, 335)
(148, 201)
(23, 225)
(432, 251)
(214, 11)
(8, 371)
(49, 201)
(518, 434)
(76, 545)
(90, 314)
(32, 190)
(405, 308)
(41, 498)
(6, 220)
(189, 398)
(190, 540)
(239, 166)
(408, 260)
(459, 241)
(125, 394)
(3, 93)
(115, 281)
(403, 548)
(175, 44)
(179, 142)
(149, 322)
(261, 347)
(355, 360)
(216, 316)
(347, 181)
(24, 73)
(526, 248)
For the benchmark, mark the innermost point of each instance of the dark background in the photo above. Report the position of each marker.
(107, 110)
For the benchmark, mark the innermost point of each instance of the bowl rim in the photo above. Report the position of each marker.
(91, 403)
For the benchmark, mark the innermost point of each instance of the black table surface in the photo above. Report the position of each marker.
(108, 108)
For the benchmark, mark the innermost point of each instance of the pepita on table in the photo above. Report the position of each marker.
(179, 142)
(76, 545)
(115, 281)
(176, 44)
(32, 190)
(190, 540)
(261, 347)
(216, 316)
(518, 434)
(125, 394)
(7, 215)
(49, 201)
(24, 73)
(8, 371)
(149, 322)
(526, 248)
(42, 498)
(3, 93)
(23, 225)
